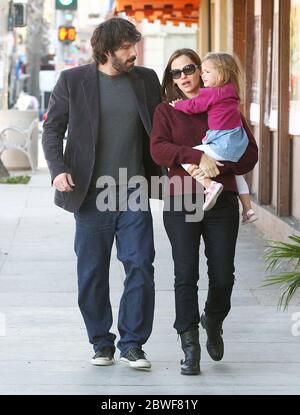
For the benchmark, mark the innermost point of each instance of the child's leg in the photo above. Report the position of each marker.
(248, 214)
(243, 190)
(212, 189)
(207, 181)
(245, 201)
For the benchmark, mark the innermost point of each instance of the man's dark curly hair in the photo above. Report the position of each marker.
(110, 35)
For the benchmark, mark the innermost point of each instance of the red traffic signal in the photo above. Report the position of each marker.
(71, 34)
(66, 33)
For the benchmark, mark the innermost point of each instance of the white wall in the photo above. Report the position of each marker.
(87, 8)
(160, 41)
(295, 178)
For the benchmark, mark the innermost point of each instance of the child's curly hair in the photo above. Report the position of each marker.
(229, 70)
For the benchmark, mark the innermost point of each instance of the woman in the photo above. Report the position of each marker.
(173, 136)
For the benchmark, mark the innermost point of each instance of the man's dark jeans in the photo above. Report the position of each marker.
(95, 233)
(219, 229)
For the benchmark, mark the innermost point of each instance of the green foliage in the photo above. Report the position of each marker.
(15, 180)
(280, 254)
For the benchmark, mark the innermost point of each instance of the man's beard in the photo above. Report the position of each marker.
(121, 66)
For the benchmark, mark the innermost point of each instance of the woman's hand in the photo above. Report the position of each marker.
(194, 170)
(196, 173)
(208, 166)
(172, 103)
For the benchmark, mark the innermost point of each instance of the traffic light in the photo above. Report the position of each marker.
(66, 34)
(66, 4)
(20, 14)
(71, 33)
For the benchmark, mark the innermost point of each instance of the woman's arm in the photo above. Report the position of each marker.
(163, 150)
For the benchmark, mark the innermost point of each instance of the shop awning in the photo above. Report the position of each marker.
(176, 11)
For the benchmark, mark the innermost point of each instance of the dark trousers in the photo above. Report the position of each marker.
(219, 229)
(95, 233)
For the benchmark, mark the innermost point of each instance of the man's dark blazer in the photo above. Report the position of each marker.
(74, 105)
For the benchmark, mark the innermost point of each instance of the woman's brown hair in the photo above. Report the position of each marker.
(169, 90)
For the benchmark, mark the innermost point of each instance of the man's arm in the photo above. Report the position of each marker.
(54, 128)
(157, 88)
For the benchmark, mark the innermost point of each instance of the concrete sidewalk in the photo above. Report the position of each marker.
(44, 349)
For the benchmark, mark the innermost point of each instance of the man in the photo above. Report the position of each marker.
(107, 107)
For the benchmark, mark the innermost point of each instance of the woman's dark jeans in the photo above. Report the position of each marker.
(219, 229)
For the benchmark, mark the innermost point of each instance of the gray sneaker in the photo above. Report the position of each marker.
(104, 356)
(136, 358)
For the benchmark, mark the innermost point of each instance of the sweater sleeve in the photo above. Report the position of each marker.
(198, 104)
(250, 157)
(248, 160)
(163, 150)
(54, 128)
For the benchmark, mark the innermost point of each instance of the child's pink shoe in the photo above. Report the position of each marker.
(248, 217)
(212, 194)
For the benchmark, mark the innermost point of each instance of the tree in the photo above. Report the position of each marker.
(282, 254)
(37, 44)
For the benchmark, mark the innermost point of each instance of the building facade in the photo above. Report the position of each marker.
(3, 54)
(265, 35)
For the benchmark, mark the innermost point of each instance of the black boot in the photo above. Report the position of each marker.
(191, 347)
(214, 331)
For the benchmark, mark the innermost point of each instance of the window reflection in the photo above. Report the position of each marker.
(295, 67)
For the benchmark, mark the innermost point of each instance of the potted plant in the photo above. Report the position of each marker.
(280, 255)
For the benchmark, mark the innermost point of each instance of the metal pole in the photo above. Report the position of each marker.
(60, 55)
(209, 25)
(34, 45)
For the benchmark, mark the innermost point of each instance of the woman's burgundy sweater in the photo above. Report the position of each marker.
(174, 134)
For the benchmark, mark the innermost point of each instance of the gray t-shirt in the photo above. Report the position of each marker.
(120, 141)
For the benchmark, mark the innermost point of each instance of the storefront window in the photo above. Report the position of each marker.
(268, 80)
(254, 108)
(295, 67)
(275, 62)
